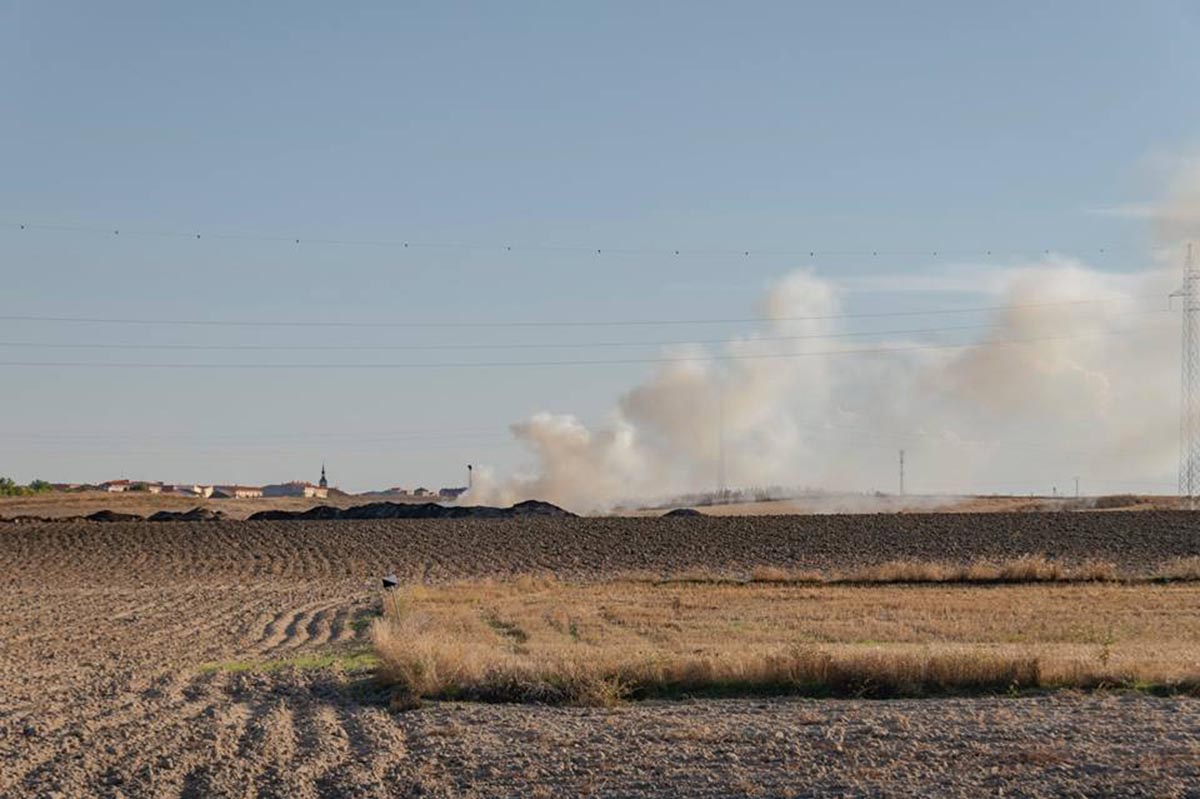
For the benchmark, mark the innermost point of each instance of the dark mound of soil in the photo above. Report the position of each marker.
(112, 516)
(428, 510)
(533, 507)
(193, 515)
(376, 510)
(681, 512)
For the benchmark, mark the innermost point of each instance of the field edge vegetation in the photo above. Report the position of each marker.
(533, 639)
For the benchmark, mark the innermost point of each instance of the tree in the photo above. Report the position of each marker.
(9, 488)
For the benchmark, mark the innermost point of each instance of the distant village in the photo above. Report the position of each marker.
(293, 488)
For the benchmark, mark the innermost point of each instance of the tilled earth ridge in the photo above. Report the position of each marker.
(579, 547)
(107, 628)
(297, 735)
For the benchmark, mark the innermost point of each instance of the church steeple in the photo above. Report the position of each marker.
(324, 483)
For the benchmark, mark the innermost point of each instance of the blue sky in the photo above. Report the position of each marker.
(556, 129)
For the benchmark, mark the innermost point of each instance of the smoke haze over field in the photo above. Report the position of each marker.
(1074, 372)
(1074, 375)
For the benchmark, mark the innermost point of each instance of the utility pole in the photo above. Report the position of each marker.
(1076, 488)
(1189, 395)
(901, 472)
(470, 476)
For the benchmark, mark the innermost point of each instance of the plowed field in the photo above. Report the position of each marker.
(224, 659)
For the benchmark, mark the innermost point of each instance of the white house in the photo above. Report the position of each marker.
(191, 489)
(296, 488)
(121, 486)
(236, 492)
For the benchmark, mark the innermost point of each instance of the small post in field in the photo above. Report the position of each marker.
(390, 582)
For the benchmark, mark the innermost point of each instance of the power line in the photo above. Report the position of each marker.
(517, 364)
(492, 346)
(559, 323)
(118, 231)
(449, 438)
(251, 437)
(260, 447)
(907, 438)
(240, 438)
(981, 489)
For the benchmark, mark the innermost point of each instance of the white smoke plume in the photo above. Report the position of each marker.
(1074, 375)
(1178, 219)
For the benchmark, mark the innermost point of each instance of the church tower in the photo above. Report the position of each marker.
(324, 483)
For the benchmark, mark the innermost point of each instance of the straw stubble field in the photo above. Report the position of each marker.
(539, 640)
(235, 659)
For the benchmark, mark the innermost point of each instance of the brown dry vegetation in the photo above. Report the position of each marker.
(1025, 569)
(535, 639)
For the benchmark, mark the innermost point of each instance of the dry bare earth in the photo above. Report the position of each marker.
(928, 503)
(107, 627)
(56, 505)
(60, 504)
(1135, 542)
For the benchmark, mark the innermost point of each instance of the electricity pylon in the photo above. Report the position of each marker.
(1189, 396)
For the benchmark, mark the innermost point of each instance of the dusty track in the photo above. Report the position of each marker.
(107, 628)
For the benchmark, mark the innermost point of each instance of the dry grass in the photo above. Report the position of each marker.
(774, 574)
(538, 640)
(1111, 501)
(1025, 569)
(1180, 569)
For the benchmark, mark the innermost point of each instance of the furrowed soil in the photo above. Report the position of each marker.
(227, 659)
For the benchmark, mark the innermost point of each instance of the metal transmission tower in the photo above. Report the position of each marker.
(722, 491)
(1189, 410)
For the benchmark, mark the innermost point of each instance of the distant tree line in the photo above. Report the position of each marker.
(9, 488)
